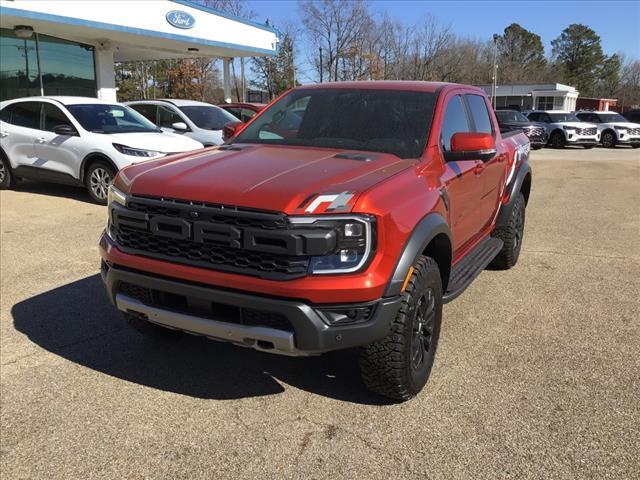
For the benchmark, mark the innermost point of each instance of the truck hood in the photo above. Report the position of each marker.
(262, 177)
(620, 125)
(160, 142)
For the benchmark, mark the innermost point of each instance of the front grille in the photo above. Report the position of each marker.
(219, 250)
(212, 310)
(633, 131)
(210, 255)
(534, 132)
(586, 131)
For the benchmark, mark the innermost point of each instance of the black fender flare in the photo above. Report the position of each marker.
(426, 230)
(514, 187)
(94, 156)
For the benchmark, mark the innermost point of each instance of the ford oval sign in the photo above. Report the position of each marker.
(180, 19)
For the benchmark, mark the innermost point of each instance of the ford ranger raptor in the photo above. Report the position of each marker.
(342, 216)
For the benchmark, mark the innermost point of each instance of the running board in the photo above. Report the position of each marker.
(471, 266)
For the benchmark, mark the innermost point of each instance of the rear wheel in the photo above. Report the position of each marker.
(511, 234)
(608, 139)
(557, 140)
(399, 365)
(98, 179)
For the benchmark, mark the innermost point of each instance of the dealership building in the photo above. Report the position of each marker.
(67, 47)
(538, 96)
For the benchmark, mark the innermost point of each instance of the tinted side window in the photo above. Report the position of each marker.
(235, 112)
(26, 114)
(534, 117)
(5, 114)
(167, 117)
(147, 111)
(247, 114)
(455, 120)
(480, 114)
(53, 117)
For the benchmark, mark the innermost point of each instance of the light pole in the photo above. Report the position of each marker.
(494, 78)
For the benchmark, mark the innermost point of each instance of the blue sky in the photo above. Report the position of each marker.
(617, 22)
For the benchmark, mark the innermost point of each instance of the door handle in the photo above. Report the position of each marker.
(4, 134)
(41, 140)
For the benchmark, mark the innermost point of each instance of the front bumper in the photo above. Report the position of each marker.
(288, 327)
(539, 141)
(583, 140)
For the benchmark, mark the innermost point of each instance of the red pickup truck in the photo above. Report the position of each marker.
(344, 215)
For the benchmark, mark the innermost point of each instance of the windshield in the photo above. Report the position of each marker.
(396, 122)
(563, 117)
(208, 117)
(611, 117)
(511, 116)
(101, 118)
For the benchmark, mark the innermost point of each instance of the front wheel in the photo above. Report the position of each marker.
(511, 234)
(557, 140)
(608, 140)
(98, 179)
(399, 365)
(7, 180)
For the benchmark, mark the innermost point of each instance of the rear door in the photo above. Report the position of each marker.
(491, 172)
(462, 182)
(19, 130)
(59, 153)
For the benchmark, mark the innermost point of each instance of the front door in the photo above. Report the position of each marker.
(59, 153)
(462, 180)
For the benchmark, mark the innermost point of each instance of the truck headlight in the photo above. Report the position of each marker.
(115, 195)
(355, 242)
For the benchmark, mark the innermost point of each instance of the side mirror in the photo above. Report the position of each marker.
(65, 130)
(180, 126)
(471, 146)
(231, 129)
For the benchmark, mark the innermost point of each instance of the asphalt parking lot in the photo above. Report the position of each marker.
(537, 375)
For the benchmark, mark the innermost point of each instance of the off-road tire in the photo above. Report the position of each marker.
(557, 140)
(151, 329)
(7, 180)
(97, 179)
(390, 366)
(511, 234)
(608, 139)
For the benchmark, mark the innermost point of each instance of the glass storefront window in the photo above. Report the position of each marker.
(65, 68)
(18, 66)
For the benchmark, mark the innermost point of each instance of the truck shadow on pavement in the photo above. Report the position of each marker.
(77, 322)
(54, 190)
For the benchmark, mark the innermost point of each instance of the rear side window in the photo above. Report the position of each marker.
(53, 117)
(534, 117)
(26, 114)
(480, 114)
(455, 121)
(236, 112)
(147, 111)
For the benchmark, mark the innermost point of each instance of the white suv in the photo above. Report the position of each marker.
(78, 141)
(564, 128)
(614, 128)
(199, 120)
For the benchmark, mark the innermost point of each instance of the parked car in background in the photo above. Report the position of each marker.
(199, 120)
(510, 120)
(78, 141)
(632, 116)
(243, 111)
(614, 128)
(564, 128)
(344, 216)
